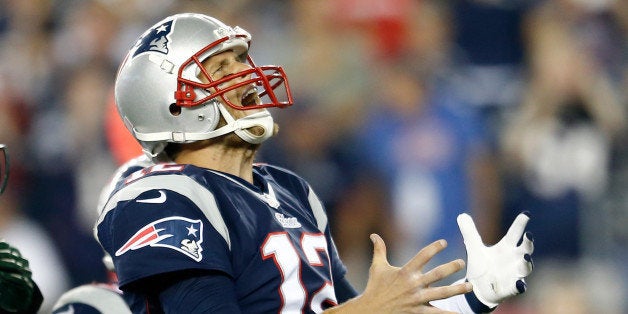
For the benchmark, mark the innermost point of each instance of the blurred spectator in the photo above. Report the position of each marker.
(489, 55)
(430, 149)
(576, 289)
(37, 246)
(559, 143)
(383, 23)
(34, 242)
(431, 88)
(558, 149)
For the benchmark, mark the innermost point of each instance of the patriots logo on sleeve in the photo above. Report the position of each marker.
(178, 233)
(156, 39)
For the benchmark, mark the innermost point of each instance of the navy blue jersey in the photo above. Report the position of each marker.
(271, 237)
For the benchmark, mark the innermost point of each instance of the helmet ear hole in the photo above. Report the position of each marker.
(174, 109)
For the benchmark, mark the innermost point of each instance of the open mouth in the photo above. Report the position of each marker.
(250, 97)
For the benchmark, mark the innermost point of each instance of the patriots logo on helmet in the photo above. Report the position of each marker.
(178, 233)
(156, 39)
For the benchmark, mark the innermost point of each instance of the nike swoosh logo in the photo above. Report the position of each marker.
(156, 200)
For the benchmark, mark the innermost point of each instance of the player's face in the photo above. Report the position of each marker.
(4, 167)
(228, 63)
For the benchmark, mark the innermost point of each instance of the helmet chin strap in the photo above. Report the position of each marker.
(241, 126)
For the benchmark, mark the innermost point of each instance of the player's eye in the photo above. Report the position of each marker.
(217, 70)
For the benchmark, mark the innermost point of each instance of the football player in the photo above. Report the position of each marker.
(106, 297)
(207, 230)
(18, 292)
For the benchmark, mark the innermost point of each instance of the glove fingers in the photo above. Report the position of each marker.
(9, 251)
(516, 229)
(14, 264)
(527, 243)
(4, 246)
(525, 268)
(521, 286)
(468, 230)
(16, 279)
(17, 294)
(515, 287)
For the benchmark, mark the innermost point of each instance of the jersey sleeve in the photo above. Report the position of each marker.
(213, 293)
(135, 164)
(162, 224)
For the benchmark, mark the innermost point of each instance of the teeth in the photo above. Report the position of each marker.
(247, 98)
(250, 91)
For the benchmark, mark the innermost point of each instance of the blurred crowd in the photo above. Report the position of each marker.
(407, 113)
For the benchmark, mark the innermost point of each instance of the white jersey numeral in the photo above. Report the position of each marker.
(292, 292)
(156, 168)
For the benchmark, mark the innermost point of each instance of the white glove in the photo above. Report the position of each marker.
(497, 272)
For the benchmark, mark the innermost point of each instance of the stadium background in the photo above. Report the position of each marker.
(407, 112)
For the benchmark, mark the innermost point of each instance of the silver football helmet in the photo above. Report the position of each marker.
(162, 98)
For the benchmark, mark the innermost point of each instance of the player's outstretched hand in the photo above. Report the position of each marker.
(407, 289)
(18, 292)
(497, 272)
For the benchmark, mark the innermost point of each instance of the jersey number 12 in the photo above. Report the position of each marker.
(281, 249)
